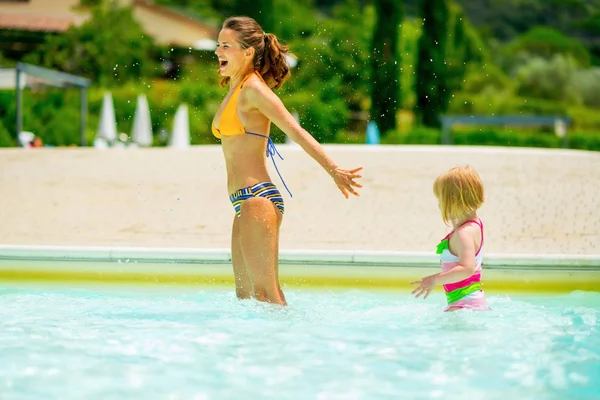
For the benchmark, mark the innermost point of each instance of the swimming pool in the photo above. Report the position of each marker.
(98, 342)
(73, 326)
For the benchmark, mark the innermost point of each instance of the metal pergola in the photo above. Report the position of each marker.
(56, 79)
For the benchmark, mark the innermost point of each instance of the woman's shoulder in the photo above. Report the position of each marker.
(255, 88)
(255, 83)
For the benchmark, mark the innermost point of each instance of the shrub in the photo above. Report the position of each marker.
(553, 79)
(418, 135)
(587, 83)
(6, 139)
(584, 140)
(502, 103)
(486, 136)
(505, 137)
(479, 79)
(584, 119)
(546, 42)
(322, 117)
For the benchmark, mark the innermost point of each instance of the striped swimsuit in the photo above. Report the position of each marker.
(263, 189)
(468, 292)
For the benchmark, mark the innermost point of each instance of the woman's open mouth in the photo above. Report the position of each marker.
(222, 63)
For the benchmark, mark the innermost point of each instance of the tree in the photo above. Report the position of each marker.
(385, 64)
(463, 49)
(546, 42)
(261, 10)
(332, 76)
(456, 47)
(592, 27)
(110, 48)
(431, 84)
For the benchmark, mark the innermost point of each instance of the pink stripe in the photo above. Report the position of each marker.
(464, 283)
(478, 303)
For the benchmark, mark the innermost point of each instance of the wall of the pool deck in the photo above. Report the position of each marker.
(298, 268)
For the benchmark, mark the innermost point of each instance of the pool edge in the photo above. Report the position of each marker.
(302, 256)
(504, 273)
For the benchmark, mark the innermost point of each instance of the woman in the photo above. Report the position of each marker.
(252, 63)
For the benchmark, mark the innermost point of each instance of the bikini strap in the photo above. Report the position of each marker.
(478, 222)
(247, 77)
(272, 152)
(236, 92)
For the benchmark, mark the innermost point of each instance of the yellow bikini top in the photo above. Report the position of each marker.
(229, 121)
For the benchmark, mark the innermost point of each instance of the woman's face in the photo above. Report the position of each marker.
(232, 57)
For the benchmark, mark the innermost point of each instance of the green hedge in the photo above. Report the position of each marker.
(5, 138)
(54, 114)
(498, 103)
(497, 137)
(584, 119)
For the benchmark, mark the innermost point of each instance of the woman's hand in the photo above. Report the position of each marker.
(426, 285)
(344, 179)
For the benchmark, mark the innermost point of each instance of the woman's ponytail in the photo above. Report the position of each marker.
(273, 65)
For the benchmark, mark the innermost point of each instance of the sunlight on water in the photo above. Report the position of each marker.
(103, 343)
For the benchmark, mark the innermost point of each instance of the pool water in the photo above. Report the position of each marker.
(172, 343)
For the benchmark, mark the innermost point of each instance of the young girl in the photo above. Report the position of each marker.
(460, 194)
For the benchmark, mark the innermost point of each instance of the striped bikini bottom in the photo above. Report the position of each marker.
(262, 189)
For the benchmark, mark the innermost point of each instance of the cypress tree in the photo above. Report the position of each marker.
(385, 64)
(431, 85)
(261, 10)
(456, 56)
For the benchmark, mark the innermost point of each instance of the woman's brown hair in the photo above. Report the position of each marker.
(269, 54)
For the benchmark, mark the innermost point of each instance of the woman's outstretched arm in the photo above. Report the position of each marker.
(269, 104)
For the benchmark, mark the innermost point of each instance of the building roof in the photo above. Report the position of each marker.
(163, 24)
(28, 22)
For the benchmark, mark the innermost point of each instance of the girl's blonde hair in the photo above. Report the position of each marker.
(459, 191)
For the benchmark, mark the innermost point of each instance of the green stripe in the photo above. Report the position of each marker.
(458, 294)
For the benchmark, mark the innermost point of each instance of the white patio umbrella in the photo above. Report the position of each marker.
(180, 136)
(107, 127)
(141, 131)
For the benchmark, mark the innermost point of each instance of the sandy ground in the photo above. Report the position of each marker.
(538, 201)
